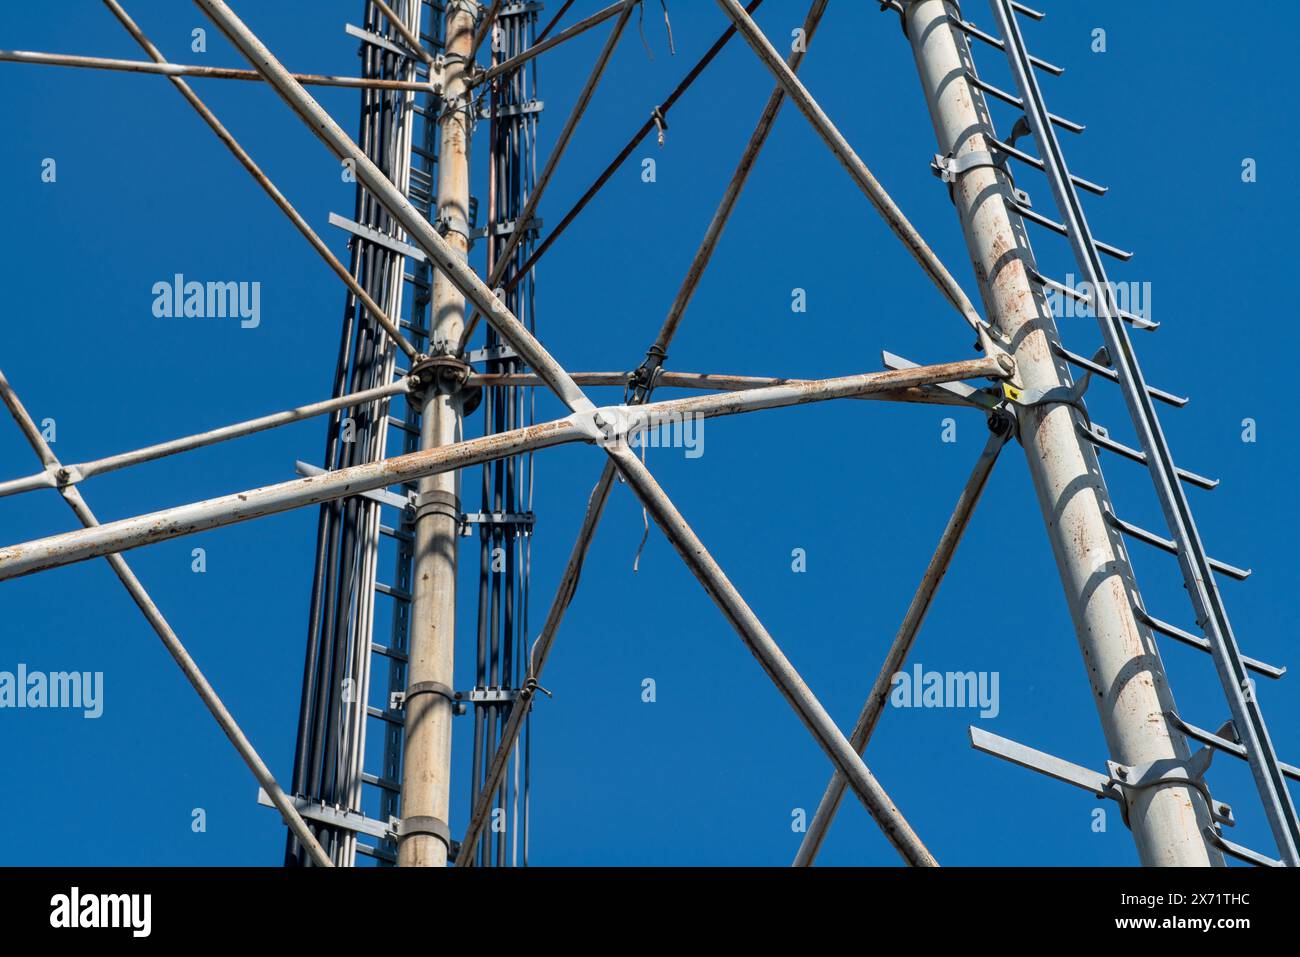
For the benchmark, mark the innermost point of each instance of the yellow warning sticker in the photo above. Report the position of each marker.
(1011, 392)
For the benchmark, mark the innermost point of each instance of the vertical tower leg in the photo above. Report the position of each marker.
(1124, 669)
(426, 765)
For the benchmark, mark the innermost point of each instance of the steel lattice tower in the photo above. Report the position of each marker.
(373, 767)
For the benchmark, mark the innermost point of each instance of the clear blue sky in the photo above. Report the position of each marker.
(711, 772)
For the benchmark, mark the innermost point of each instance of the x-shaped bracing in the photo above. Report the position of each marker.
(843, 754)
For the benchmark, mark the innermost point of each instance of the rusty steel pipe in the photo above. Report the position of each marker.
(209, 72)
(111, 463)
(69, 547)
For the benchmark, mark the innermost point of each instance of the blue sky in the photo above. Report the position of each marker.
(711, 772)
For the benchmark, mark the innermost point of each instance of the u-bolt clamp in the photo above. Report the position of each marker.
(1127, 781)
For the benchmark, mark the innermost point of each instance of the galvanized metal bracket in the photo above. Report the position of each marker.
(330, 815)
(492, 353)
(1121, 780)
(979, 398)
(381, 495)
(515, 520)
(489, 695)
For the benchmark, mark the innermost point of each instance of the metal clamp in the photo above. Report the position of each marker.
(445, 224)
(1071, 395)
(642, 381)
(436, 502)
(421, 824)
(949, 167)
(429, 687)
(446, 373)
(661, 124)
(398, 699)
(1167, 771)
(64, 475)
(897, 7)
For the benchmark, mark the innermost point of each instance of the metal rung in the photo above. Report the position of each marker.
(378, 649)
(1187, 638)
(386, 783)
(392, 717)
(1114, 252)
(973, 31)
(1137, 322)
(1239, 852)
(1165, 545)
(1013, 100)
(1220, 743)
(378, 853)
(397, 423)
(1030, 12)
(418, 283)
(375, 236)
(374, 39)
(1037, 164)
(400, 534)
(1178, 401)
(1098, 436)
(396, 593)
(518, 9)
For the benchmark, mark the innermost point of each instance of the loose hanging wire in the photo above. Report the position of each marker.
(672, 51)
(645, 518)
